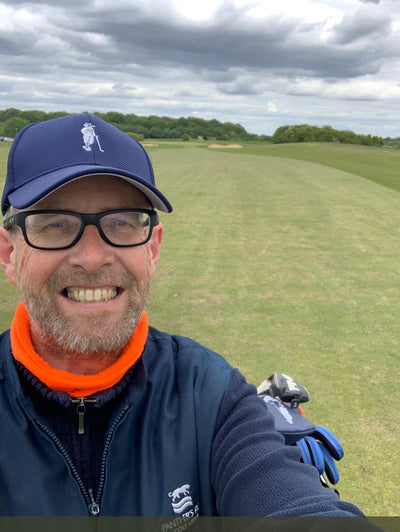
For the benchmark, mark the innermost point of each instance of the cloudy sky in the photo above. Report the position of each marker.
(259, 63)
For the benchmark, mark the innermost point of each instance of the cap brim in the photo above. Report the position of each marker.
(34, 191)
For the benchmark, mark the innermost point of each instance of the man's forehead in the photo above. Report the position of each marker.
(102, 186)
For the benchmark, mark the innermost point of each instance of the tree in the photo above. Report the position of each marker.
(114, 117)
(12, 125)
(156, 132)
(33, 116)
(135, 136)
(176, 133)
(142, 131)
(56, 114)
(306, 133)
(9, 113)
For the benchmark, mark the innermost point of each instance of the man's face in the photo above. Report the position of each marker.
(88, 298)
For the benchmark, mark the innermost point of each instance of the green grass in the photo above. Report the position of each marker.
(290, 265)
(377, 164)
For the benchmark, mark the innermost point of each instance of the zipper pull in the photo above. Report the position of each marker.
(81, 409)
(93, 507)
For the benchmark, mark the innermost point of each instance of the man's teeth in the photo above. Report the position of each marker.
(89, 295)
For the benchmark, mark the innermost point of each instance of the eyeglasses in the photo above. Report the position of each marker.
(62, 229)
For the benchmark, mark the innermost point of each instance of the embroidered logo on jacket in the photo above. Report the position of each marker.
(89, 136)
(181, 499)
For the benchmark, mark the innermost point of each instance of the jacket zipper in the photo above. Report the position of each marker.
(70, 463)
(92, 503)
(107, 444)
(81, 409)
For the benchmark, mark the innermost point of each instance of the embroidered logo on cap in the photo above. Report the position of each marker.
(89, 136)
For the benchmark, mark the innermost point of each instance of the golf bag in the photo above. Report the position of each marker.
(318, 445)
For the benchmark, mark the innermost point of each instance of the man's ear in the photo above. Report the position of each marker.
(155, 246)
(6, 254)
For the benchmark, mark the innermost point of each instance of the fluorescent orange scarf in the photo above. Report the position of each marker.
(63, 381)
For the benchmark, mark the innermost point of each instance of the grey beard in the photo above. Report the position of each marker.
(58, 331)
(64, 336)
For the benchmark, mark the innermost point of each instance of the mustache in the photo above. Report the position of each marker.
(59, 281)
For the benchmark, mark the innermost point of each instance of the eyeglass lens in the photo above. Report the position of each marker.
(56, 230)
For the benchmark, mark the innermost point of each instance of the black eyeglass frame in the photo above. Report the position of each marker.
(86, 219)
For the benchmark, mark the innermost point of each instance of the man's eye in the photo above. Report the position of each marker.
(118, 222)
(43, 225)
(123, 222)
(57, 225)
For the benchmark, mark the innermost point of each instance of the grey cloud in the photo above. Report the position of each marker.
(219, 46)
(219, 76)
(133, 40)
(48, 3)
(245, 88)
(13, 47)
(364, 24)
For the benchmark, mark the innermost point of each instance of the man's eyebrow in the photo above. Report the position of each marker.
(102, 209)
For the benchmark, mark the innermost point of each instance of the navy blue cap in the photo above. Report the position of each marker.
(46, 155)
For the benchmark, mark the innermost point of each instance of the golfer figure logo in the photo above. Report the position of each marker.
(89, 136)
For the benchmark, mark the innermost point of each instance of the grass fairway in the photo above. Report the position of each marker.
(378, 164)
(290, 265)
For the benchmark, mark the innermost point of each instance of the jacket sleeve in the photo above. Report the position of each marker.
(254, 473)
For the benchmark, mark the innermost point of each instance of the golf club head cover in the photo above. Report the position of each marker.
(318, 445)
(321, 448)
(287, 389)
(288, 421)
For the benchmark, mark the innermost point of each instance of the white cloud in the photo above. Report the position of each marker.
(197, 11)
(357, 89)
(272, 107)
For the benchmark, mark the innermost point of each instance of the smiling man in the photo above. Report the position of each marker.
(100, 413)
(86, 298)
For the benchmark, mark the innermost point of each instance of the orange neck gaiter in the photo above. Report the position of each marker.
(63, 381)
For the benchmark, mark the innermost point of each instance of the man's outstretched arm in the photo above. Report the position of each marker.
(254, 473)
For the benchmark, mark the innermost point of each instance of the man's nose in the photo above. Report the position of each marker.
(91, 252)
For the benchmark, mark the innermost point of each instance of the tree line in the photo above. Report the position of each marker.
(156, 127)
(306, 133)
(142, 127)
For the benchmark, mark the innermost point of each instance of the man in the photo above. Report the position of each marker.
(100, 414)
